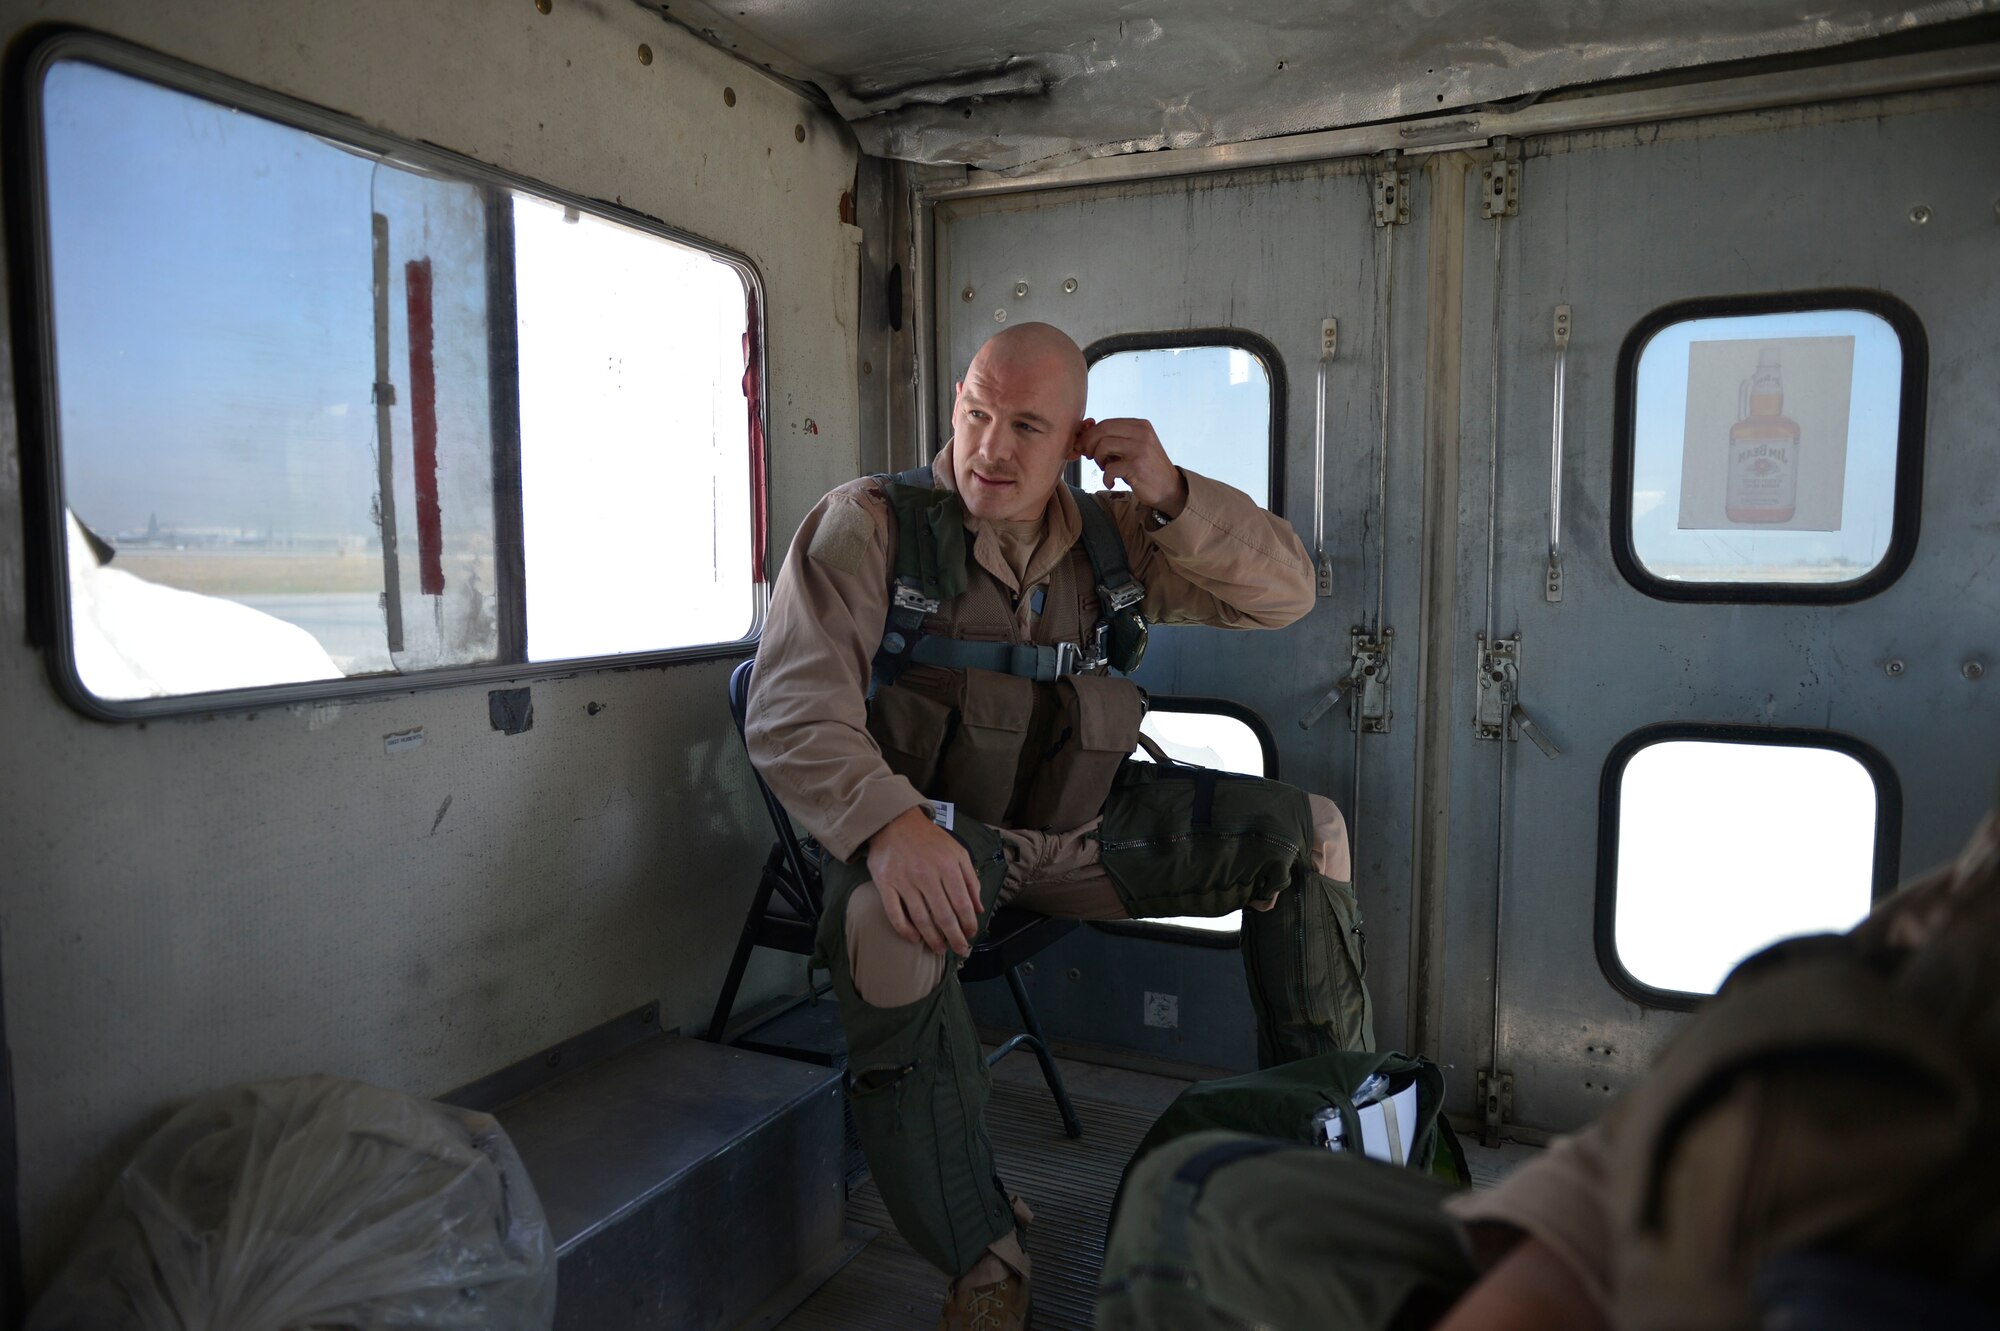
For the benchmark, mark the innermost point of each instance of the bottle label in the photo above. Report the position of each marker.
(1763, 480)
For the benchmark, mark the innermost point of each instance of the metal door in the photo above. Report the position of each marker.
(1895, 194)
(1274, 254)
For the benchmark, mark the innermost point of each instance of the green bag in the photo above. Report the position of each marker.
(1281, 1102)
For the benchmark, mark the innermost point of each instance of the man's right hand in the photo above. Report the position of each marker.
(925, 877)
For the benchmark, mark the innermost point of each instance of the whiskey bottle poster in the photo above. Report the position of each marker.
(1766, 441)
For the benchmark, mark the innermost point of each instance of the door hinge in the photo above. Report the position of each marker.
(1392, 198)
(1500, 190)
(1496, 1104)
(1497, 711)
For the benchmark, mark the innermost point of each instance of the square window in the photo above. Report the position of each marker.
(1716, 847)
(1769, 448)
(1212, 403)
(327, 410)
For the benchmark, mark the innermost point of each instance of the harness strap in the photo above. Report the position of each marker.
(1116, 586)
(1028, 660)
(1121, 628)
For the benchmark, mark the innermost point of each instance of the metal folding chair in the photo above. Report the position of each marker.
(785, 912)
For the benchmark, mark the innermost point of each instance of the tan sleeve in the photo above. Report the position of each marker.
(807, 726)
(1560, 1198)
(1223, 560)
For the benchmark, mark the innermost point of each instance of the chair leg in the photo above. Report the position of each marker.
(738, 964)
(1050, 1073)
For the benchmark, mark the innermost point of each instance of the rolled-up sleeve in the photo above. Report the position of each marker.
(807, 725)
(1223, 560)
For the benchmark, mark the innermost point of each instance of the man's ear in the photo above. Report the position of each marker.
(1075, 449)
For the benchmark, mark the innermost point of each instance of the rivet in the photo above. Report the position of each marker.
(544, 5)
(1069, 286)
(999, 316)
(729, 96)
(1074, 973)
(1972, 669)
(1920, 214)
(868, 367)
(966, 295)
(799, 133)
(1893, 668)
(645, 54)
(1020, 290)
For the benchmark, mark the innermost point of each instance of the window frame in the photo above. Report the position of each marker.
(1261, 349)
(1201, 705)
(38, 417)
(1905, 509)
(1888, 830)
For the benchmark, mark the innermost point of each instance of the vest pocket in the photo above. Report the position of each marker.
(982, 760)
(911, 730)
(1096, 728)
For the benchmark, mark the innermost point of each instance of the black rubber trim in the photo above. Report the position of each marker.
(1241, 339)
(1888, 830)
(1201, 705)
(29, 58)
(1910, 417)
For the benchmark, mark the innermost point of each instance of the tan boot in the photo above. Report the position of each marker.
(1002, 1306)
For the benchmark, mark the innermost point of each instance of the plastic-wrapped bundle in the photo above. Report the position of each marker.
(311, 1204)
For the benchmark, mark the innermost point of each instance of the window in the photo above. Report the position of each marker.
(1215, 397)
(1213, 733)
(1717, 842)
(1769, 448)
(329, 410)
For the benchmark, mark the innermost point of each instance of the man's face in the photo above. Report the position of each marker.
(1014, 429)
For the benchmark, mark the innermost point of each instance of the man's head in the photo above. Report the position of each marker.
(1016, 420)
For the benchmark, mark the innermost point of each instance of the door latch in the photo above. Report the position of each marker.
(1497, 712)
(1366, 685)
(1370, 674)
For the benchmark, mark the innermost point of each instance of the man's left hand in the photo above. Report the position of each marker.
(1126, 449)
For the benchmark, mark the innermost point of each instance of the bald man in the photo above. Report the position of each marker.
(934, 701)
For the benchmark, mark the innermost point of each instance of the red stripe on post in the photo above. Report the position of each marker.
(753, 393)
(424, 428)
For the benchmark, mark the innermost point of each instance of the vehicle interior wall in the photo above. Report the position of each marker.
(199, 901)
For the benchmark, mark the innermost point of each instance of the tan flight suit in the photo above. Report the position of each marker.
(1221, 561)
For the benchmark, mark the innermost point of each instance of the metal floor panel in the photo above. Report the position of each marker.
(1069, 1184)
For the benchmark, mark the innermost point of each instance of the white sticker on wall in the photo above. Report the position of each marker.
(1766, 433)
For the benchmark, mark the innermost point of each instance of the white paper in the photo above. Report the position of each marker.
(945, 814)
(1781, 471)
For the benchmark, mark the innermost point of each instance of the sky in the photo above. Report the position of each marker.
(214, 313)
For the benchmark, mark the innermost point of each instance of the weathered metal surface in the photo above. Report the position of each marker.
(684, 1182)
(1750, 205)
(1034, 85)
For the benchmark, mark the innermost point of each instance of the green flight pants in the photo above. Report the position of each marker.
(1222, 1230)
(1174, 841)
(1189, 841)
(918, 1084)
